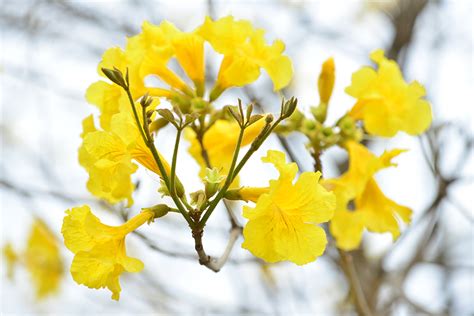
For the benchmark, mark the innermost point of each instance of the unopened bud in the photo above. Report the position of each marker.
(198, 198)
(212, 181)
(158, 124)
(159, 210)
(246, 194)
(320, 112)
(115, 75)
(269, 118)
(326, 80)
(163, 189)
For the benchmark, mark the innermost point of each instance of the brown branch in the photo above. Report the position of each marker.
(204, 259)
(215, 264)
(347, 265)
(404, 21)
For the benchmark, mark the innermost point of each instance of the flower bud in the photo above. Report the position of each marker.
(246, 194)
(326, 80)
(198, 198)
(160, 210)
(116, 76)
(212, 181)
(269, 118)
(163, 189)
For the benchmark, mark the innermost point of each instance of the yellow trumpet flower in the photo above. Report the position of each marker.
(100, 254)
(360, 202)
(385, 102)
(283, 224)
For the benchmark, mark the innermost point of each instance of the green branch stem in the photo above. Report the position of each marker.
(230, 176)
(253, 148)
(145, 132)
(174, 161)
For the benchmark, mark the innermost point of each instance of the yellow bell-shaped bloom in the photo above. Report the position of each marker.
(282, 225)
(41, 258)
(11, 258)
(152, 49)
(153, 38)
(109, 97)
(385, 102)
(226, 35)
(149, 53)
(220, 141)
(360, 202)
(245, 52)
(189, 50)
(100, 255)
(107, 157)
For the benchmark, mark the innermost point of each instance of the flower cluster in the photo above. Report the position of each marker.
(108, 154)
(286, 218)
(385, 105)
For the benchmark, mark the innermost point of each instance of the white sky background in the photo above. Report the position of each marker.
(44, 76)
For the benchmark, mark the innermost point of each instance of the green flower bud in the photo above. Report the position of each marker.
(198, 198)
(320, 112)
(163, 189)
(212, 181)
(160, 210)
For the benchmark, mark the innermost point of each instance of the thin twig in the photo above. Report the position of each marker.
(348, 267)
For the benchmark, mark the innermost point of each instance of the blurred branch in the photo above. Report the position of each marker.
(349, 270)
(404, 19)
(30, 192)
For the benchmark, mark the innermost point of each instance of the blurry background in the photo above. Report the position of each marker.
(49, 53)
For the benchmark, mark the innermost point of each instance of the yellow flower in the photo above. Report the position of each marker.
(360, 202)
(282, 225)
(226, 35)
(245, 52)
(109, 97)
(107, 157)
(152, 49)
(11, 257)
(157, 38)
(43, 260)
(100, 256)
(220, 141)
(189, 49)
(385, 102)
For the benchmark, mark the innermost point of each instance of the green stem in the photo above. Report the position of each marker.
(186, 204)
(173, 162)
(145, 132)
(137, 119)
(230, 176)
(253, 148)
